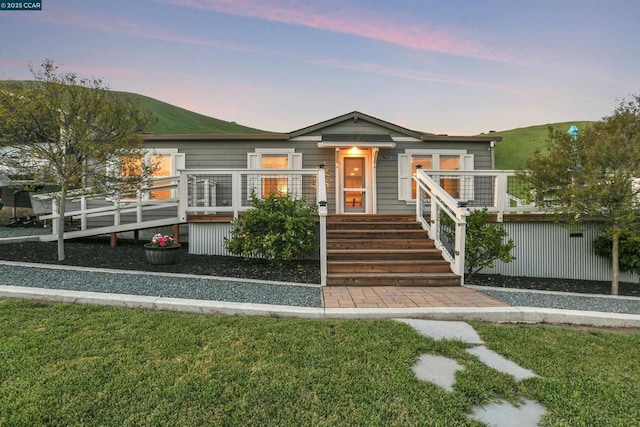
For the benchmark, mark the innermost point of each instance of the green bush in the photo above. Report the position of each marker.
(277, 228)
(484, 242)
(628, 251)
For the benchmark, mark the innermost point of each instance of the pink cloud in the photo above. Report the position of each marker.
(72, 18)
(414, 74)
(359, 23)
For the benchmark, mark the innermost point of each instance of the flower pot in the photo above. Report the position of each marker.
(161, 255)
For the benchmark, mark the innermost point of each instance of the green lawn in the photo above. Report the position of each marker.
(85, 365)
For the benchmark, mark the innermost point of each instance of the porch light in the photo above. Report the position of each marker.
(354, 150)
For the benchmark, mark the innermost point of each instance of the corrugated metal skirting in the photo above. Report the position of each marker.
(207, 238)
(549, 250)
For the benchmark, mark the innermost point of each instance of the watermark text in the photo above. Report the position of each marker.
(20, 5)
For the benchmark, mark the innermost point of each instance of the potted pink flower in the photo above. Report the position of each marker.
(162, 249)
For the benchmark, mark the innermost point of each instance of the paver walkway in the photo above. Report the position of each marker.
(405, 297)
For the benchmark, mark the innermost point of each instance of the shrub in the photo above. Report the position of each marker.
(629, 250)
(277, 228)
(484, 242)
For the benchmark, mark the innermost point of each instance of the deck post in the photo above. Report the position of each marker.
(501, 195)
(321, 190)
(176, 233)
(461, 235)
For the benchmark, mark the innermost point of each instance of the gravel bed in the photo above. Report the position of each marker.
(162, 286)
(564, 301)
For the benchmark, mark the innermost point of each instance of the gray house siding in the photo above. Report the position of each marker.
(387, 174)
(360, 127)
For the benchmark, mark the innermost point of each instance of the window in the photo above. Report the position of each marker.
(434, 160)
(164, 162)
(279, 185)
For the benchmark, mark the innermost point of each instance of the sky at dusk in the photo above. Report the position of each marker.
(447, 66)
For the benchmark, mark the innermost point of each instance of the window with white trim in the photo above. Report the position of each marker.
(276, 184)
(163, 162)
(459, 188)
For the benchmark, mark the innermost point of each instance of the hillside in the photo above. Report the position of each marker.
(518, 145)
(172, 119)
(176, 120)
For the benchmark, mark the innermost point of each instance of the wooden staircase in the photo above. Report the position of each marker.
(383, 250)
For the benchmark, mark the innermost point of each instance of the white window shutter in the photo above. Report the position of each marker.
(468, 193)
(295, 181)
(404, 176)
(253, 181)
(296, 161)
(179, 162)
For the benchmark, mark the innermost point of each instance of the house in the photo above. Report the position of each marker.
(356, 168)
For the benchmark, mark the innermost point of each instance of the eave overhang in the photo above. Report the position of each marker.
(217, 137)
(336, 144)
(447, 138)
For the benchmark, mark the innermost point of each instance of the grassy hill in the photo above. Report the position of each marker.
(176, 120)
(518, 145)
(172, 119)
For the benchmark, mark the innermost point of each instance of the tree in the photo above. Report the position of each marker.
(593, 175)
(70, 131)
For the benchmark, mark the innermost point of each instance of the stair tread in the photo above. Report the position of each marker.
(391, 275)
(389, 261)
(379, 230)
(373, 251)
(404, 223)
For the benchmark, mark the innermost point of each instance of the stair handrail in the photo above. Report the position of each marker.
(432, 199)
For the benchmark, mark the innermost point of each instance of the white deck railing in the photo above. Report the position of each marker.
(130, 210)
(432, 202)
(501, 192)
(228, 191)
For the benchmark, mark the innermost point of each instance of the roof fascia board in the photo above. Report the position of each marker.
(441, 138)
(217, 137)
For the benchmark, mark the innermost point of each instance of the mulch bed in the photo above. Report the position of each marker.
(129, 255)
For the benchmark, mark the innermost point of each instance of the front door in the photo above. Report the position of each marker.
(355, 179)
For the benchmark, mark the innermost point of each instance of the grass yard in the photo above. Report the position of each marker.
(85, 365)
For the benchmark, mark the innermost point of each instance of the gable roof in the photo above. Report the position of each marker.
(355, 116)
